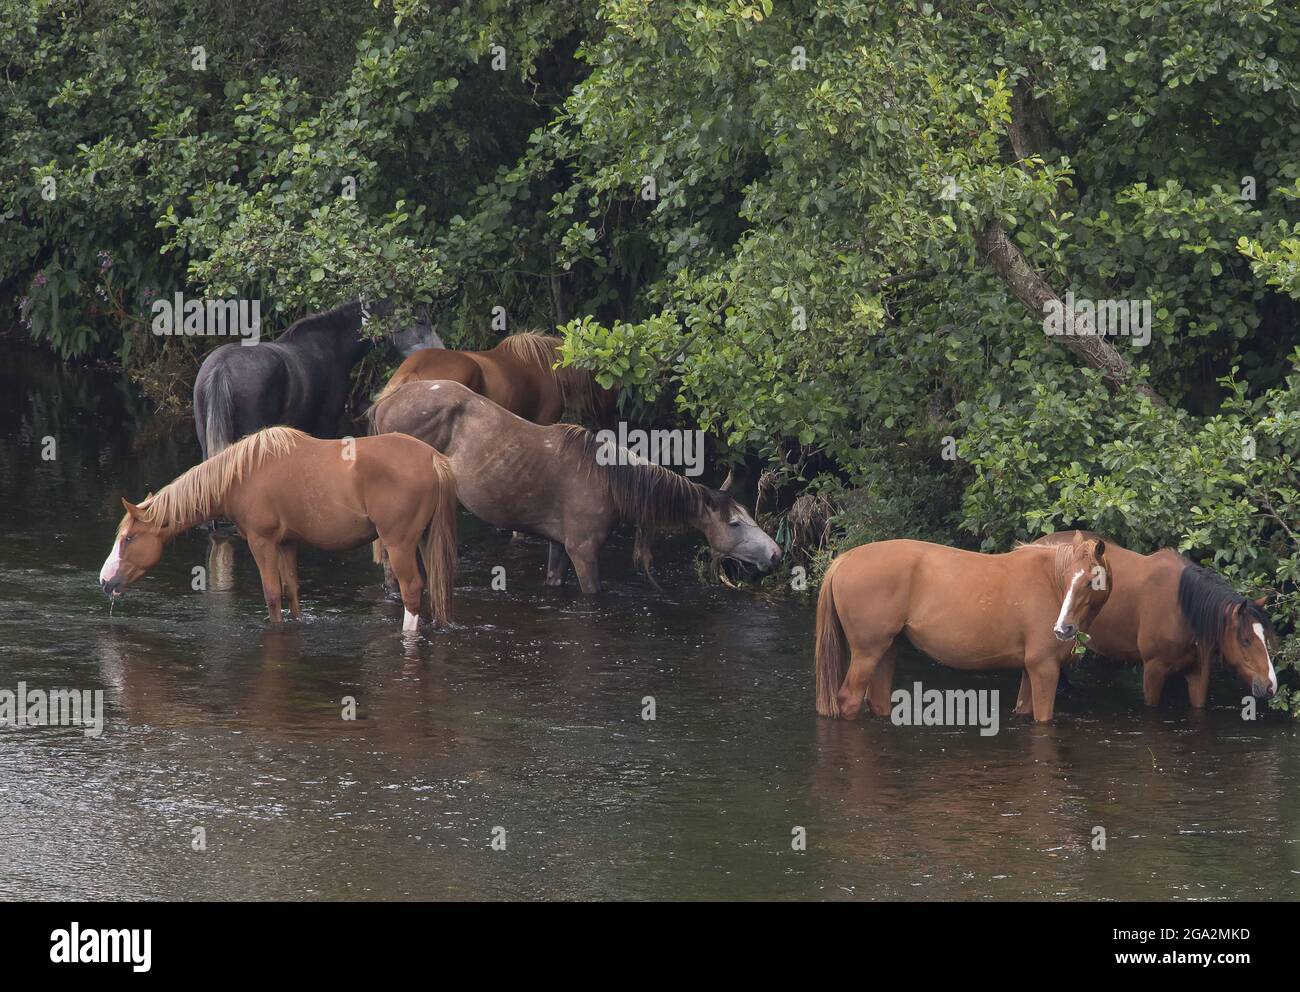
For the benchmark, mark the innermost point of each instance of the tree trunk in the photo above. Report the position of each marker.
(1029, 134)
(1031, 289)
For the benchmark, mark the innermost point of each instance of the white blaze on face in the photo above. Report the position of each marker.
(1065, 605)
(110, 564)
(1272, 675)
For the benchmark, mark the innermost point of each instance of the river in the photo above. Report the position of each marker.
(524, 724)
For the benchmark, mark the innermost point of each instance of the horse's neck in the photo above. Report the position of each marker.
(194, 518)
(343, 341)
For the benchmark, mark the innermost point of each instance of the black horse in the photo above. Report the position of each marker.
(300, 379)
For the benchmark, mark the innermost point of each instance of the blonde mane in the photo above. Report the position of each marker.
(195, 495)
(577, 386)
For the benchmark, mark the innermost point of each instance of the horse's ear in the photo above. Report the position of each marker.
(726, 483)
(1262, 600)
(131, 508)
(1099, 550)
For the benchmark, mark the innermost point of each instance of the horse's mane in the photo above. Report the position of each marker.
(577, 385)
(641, 491)
(1062, 554)
(339, 318)
(1205, 598)
(196, 493)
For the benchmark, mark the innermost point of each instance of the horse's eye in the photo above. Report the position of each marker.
(735, 523)
(128, 539)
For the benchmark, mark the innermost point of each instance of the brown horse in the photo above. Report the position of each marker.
(555, 482)
(518, 375)
(1175, 617)
(965, 610)
(282, 487)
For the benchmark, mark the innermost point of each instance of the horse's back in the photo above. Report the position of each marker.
(941, 595)
(430, 364)
(242, 389)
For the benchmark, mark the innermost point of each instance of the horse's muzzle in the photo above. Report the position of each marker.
(1261, 690)
(113, 589)
(774, 559)
(1066, 632)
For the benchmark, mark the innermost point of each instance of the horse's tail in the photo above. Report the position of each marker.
(832, 649)
(219, 421)
(438, 549)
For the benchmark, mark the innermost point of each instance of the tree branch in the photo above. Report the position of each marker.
(1028, 132)
(1030, 288)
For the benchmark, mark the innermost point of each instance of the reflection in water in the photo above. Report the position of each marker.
(527, 715)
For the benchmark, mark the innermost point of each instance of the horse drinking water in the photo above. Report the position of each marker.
(963, 609)
(298, 380)
(282, 487)
(549, 481)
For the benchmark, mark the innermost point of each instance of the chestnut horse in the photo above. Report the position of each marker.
(282, 487)
(965, 610)
(1174, 617)
(556, 482)
(518, 375)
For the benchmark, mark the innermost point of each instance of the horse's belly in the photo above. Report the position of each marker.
(501, 510)
(957, 650)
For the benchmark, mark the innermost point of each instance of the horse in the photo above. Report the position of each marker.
(1174, 617)
(298, 380)
(518, 375)
(556, 482)
(282, 487)
(964, 609)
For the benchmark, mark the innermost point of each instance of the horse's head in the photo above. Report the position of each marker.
(136, 549)
(1247, 635)
(1085, 580)
(409, 336)
(732, 533)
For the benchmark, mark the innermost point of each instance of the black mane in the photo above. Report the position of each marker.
(645, 493)
(1206, 600)
(340, 318)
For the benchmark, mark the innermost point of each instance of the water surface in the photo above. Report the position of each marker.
(528, 716)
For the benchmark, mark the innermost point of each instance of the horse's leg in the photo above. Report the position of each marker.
(267, 555)
(406, 566)
(221, 562)
(557, 565)
(585, 564)
(1154, 673)
(1198, 682)
(862, 666)
(390, 580)
(289, 577)
(882, 681)
(1043, 676)
(1025, 698)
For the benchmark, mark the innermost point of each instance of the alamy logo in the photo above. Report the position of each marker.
(921, 707)
(208, 318)
(77, 946)
(53, 708)
(670, 448)
(1098, 318)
